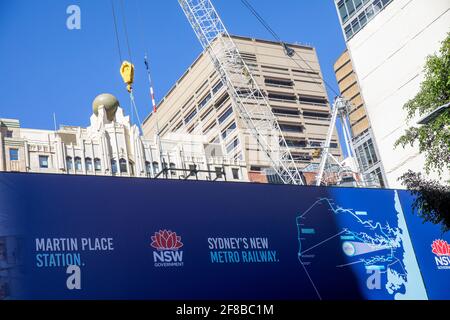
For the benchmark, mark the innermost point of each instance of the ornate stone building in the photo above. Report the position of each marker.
(112, 146)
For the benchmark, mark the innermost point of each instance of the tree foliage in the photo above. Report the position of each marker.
(432, 200)
(434, 137)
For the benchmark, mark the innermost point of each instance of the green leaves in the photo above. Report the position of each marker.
(432, 199)
(433, 138)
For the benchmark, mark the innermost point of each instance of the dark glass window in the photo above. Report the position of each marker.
(235, 173)
(14, 154)
(114, 166)
(229, 130)
(78, 166)
(190, 116)
(218, 172)
(173, 166)
(97, 164)
(88, 162)
(69, 163)
(225, 115)
(123, 166)
(291, 128)
(350, 7)
(231, 146)
(155, 167)
(204, 101)
(43, 162)
(217, 87)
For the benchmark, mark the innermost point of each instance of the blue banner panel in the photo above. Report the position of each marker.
(84, 237)
(432, 249)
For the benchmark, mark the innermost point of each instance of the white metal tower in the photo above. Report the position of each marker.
(249, 102)
(341, 110)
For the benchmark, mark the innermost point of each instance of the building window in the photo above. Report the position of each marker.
(235, 173)
(219, 173)
(97, 164)
(69, 163)
(354, 7)
(283, 83)
(113, 166)
(226, 115)
(190, 116)
(193, 169)
(233, 145)
(78, 166)
(282, 97)
(286, 112)
(155, 167)
(14, 154)
(148, 168)
(9, 133)
(217, 87)
(123, 166)
(291, 128)
(43, 162)
(313, 100)
(366, 155)
(88, 162)
(229, 130)
(296, 143)
(204, 101)
(173, 166)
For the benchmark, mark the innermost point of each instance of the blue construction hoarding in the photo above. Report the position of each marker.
(84, 237)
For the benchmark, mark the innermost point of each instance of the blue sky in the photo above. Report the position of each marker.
(48, 68)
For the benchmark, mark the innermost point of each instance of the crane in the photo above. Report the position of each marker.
(340, 111)
(248, 100)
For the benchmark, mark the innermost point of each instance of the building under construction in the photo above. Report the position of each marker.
(199, 103)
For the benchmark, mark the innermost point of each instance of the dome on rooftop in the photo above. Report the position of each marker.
(109, 102)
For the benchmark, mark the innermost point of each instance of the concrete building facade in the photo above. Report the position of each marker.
(388, 42)
(367, 153)
(112, 146)
(199, 104)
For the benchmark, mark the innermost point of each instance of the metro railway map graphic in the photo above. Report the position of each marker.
(377, 251)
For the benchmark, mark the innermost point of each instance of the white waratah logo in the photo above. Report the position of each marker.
(74, 20)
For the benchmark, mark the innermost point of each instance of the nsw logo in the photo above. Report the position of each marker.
(167, 245)
(442, 251)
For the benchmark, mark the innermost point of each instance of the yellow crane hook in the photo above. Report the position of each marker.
(127, 73)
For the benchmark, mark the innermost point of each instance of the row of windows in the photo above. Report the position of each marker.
(279, 82)
(226, 115)
(347, 8)
(96, 164)
(90, 165)
(233, 145)
(291, 128)
(364, 17)
(202, 104)
(366, 155)
(229, 130)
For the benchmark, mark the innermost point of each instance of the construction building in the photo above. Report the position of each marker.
(199, 104)
(388, 42)
(365, 146)
(112, 146)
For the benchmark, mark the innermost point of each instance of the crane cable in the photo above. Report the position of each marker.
(116, 30)
(127, 68)
(124, 21)
(277, 37)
